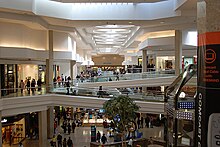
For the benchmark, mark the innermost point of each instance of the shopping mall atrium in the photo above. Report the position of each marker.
(57, 55)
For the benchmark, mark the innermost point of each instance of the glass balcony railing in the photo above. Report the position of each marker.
(86, 92)
(60, 87)
(127, 76)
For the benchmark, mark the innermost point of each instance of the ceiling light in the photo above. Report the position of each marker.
(110, 39)
(162, 22)
(112, 31)
(115, 26)
(130, 22)
(110, 36)
(109, 42)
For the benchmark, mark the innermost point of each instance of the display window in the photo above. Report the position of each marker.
(13, 132)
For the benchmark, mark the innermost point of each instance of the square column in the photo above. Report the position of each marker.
(42, 121)
(207, 110)
(0, 128)
(50, 122)
(72, 63)
(144, 60)
(49, 62)
(178, 52)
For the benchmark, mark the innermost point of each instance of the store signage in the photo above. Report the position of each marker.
(93, 133)
(208, 84)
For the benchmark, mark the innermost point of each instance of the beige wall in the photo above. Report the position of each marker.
(108, 59)
(20, 36)
(27, 70)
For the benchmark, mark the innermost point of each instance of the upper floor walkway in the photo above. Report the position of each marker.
(86, 93)
(149, 79)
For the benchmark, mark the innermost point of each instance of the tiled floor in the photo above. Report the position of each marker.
(81, 137)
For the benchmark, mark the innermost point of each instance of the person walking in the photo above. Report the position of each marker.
(64, 142)
(22, 85)
(69, 128)
(100, 92)
(98, 136)
(73, 126)
(39, 84)
(103, 139)
(28, 85)
(69, 142)
(59, 140)
(68, 87)
(33, 83)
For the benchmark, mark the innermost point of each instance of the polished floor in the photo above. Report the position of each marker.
(81, 137)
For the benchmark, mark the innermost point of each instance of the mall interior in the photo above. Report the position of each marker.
(57, 55)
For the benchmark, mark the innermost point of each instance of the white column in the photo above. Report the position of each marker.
(178, 52)
(42, 120)
(72, 63)
(1, 82)
(0, 128)
(50, 122)
(144, 60)
(49, 61)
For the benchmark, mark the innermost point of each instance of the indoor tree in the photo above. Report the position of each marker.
(122, 110)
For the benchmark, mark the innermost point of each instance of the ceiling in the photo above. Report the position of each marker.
(113, 36)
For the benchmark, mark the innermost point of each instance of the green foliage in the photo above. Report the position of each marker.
(124, 107)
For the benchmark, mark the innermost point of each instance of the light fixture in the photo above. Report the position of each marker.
(4, 120)
(182, 95)
(87, 62)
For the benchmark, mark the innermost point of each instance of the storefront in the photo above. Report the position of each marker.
(42, 73)
(165, 62)
(29, 71)
(9, 79)
(13, 129)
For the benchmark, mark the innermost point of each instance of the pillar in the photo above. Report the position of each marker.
(72, 63)
(178, 52)
(42, 121)
(1, 81)
(49, 62)
(144, 66)
(144, 60)
(50, 122)
(207, 110)
(0, 128)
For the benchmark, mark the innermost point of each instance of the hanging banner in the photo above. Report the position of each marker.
(208, 91)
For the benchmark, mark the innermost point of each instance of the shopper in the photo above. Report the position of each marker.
(28, 86)
(33, 83)
(64, 142)
(69, 142)
(68, 87)
(22, 85)
(73, 126)
(98, 136)
(39, 84)
(103, 139)
(69, 128)
(59, 140)
(100, 92)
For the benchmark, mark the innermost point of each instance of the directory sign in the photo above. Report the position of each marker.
(208, 89)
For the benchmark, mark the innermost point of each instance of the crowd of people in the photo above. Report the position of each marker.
(30, 85)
